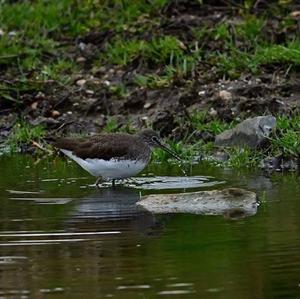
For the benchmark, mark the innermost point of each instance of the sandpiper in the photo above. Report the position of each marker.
(112, 156)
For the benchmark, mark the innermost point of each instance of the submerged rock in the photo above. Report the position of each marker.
(279, 163)
(251, 132)
(213, 202)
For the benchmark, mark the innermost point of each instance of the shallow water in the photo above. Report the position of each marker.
(62, 238)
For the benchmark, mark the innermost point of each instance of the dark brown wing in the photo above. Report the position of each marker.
(103, 146)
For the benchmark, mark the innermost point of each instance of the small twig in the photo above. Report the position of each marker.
(63, 125)
(50, 81)
(39, 146)
(9, 56)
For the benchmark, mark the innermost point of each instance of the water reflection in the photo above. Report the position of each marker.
(112, 249)
(113, 207)
(97, 236)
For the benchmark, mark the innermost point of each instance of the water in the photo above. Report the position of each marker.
(62, 238)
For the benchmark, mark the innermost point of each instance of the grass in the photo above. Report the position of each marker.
(233, 46)
(113, 126)
(23, 134)
(244, 45)
(201, 122)
(159, 50)
(285, 141)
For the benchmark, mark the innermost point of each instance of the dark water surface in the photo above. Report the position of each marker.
(62, 238)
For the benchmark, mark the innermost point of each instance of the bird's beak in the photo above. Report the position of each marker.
(166, 149)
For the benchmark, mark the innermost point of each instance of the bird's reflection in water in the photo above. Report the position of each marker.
(112, 209)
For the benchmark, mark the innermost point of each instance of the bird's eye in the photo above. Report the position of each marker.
(154, 139)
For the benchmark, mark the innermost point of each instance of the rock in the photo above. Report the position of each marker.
(12, 33)
(148, 105)
(270, 163)
(89, 91)
(225, 95)
(220, 156)
(55, 113)
(207, 136)
(40, 96)
(80, 59)
(251, 132)
(213, 112)
(204, 135)
(291, 164)
(213, 202)
(279, 163)
(81, 82)
(34, 105)
(295, 14)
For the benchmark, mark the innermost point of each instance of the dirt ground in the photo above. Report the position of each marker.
(92, 98)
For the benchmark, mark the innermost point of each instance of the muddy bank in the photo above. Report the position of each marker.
(98, 96)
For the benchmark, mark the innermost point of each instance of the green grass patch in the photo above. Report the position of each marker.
(200, 122)
(235, 62)
(243, 158)
(164, 50)
(286, 140)
(179, 70)
(113, 126)
(24, 133)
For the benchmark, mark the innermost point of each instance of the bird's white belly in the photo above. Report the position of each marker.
(111, 169)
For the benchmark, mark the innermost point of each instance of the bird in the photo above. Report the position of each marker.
(112, 156)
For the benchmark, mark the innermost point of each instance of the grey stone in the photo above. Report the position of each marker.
(220, 156)
(270, 163)
(252, 132)
(213, 202)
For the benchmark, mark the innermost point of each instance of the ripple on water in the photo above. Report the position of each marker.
(44, 200)
(22, 293)
(172, 182)
(176, 292)
(23, 192)
(25, 239)
(180, 284)
(12, 260)
(126, 287)
(53, 290)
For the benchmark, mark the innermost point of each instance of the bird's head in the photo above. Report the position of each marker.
(152, 139)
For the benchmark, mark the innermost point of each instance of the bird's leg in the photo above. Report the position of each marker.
(99, 180)
(113, 183)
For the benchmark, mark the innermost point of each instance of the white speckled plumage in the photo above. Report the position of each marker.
(109, 169)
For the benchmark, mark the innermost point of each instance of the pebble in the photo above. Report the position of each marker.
(147, 105)
(55, 113)
(225, 95)
(81, 82)
(80, 59)
(82, 46)
(213, 112)
(89, 91)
